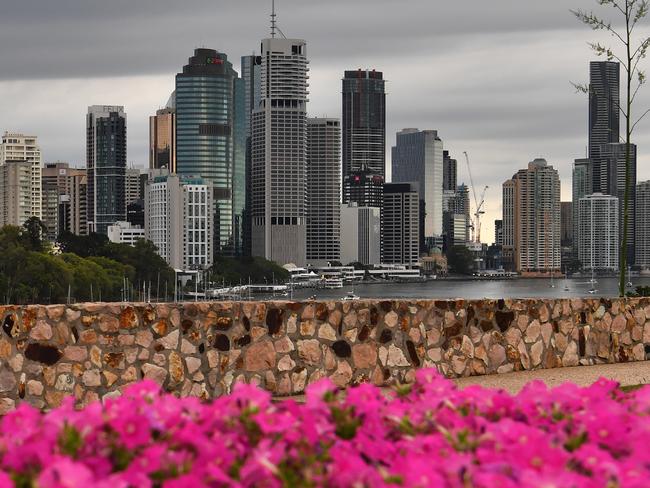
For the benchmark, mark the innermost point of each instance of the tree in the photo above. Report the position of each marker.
(460, 259)
(33, 231)
(634, 51)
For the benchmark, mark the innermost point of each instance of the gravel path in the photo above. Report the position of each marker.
(627, 374)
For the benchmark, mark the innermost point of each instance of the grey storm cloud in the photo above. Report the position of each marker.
(491, 76)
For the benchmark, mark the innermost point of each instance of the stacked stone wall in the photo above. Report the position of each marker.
(92, 351)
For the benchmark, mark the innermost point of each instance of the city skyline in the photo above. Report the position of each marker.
(503, 115)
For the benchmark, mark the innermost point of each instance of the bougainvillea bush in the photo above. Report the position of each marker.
(428, 434)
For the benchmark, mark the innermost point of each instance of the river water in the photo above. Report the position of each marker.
(475, 289)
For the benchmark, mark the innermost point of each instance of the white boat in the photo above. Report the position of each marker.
(350, 296)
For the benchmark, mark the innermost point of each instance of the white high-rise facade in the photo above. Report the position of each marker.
(178, 219)
(279, 154)
(20, 148)
(132, 185)
(360, 234)
(643, 224)
(598, 244)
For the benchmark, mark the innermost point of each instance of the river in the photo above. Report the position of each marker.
(476, 289)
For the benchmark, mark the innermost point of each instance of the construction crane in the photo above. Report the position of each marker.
(478, 204)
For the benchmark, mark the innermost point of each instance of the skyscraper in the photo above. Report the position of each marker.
(531, 217)
(22, 148)
(599, 238)
(279, 153)
(250, 75)
(364, 137)
(643, 225)
(162, 139)
(566, 209)
(323, 190)
(400, 224)
(498, 232)
(449, 172)
(106, 166)
(604, 100)
(205, 134)
(418, 156)
(132, 186)
(56, 190)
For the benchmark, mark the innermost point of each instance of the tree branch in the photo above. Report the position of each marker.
(591, 20)
(639, 120)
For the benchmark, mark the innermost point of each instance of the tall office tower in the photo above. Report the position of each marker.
(106, 166)
(613, 160)
(19, 147)
(400, 219)
(455, 229)
(251, 68)
(364, 137)
(582, 184)
(418, 156)
(323, 190)
(279, 154)
(162, 139)
(599, 239)
(643, 224)
(604, 99)
(132, 186)
(178, 219)
(206, 134)
(498, 232)
(449, 172)
(531, 215)
(566, 224)
(360, 234)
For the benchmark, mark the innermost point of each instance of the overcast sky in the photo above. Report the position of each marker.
(493, 77)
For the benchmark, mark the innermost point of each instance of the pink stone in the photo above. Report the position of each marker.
(364, 355)
(309, 351)
(260, 356)
(75, 353)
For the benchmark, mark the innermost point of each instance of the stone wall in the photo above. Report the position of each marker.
(93, 350)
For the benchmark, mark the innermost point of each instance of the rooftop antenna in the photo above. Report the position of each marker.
(274, 24)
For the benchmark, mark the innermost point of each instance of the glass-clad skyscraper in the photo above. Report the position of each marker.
(106, 166)
(364, 137)
(206, 144)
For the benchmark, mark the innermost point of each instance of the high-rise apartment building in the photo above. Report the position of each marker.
(74, 205)
(125, 233)
(178, 219)
(162, 139)
(643, 224)
(15, 193)
(449, 172)
(23, 148)
(106, 166)
(418, 157)
(400, 224)
(323, 191)
(364, 137)
(531, 218)
(604, 99)
(279, 154)
(599, 239)
(360, 234)
(207, 142)
(582, 183)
